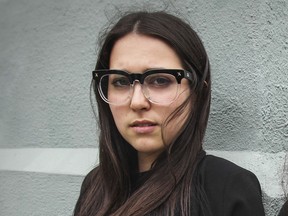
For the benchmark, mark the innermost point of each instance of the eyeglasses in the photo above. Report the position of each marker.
(159, 86)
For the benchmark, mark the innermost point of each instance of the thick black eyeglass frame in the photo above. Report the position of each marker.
(179, 74)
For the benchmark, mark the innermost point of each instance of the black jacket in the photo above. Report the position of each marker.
(230, 189)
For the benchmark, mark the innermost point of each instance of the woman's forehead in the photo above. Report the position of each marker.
(136, 52)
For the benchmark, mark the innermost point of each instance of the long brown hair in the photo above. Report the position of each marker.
(169, 186)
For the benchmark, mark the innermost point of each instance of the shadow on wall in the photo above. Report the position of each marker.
(251, 123)
(231, 126)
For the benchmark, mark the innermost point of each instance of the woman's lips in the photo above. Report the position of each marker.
(143, 127)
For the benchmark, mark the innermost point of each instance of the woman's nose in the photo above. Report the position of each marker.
(138, 99)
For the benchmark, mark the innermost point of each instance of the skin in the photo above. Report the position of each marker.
(140, 121)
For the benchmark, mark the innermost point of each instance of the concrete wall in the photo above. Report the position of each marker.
(48, 137)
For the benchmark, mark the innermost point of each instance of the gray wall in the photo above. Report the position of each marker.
(48, 137)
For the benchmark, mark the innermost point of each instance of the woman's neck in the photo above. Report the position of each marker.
(145, 161)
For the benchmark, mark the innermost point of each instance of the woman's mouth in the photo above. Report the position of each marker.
(143, 127)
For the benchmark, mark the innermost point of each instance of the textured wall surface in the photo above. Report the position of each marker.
(47, 53)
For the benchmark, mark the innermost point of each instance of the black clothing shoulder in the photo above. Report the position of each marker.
(284, 210)
(230, 189)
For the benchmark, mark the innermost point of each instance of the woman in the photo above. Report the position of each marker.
(153, 90)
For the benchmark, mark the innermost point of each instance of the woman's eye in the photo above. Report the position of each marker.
(160, 81)
(120, 82)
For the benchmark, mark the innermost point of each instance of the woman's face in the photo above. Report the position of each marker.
(139, 121)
